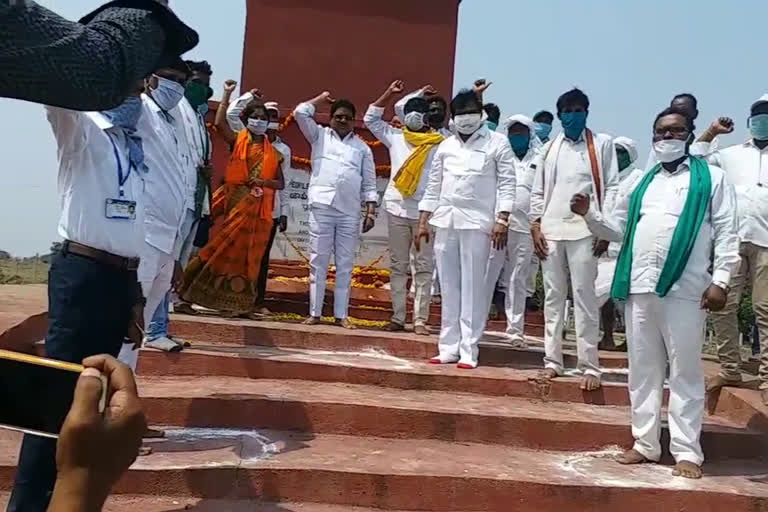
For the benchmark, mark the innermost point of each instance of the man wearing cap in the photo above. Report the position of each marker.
(746, 168)
(280, 209)
(90, 65)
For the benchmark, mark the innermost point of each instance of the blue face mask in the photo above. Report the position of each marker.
(519, 143)
(573, 123)
(492, 126)
(542, 130)
(203, 109)
(125, 116)
(758, 126)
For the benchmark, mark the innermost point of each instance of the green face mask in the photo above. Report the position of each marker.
(196, 93)
(624, 160)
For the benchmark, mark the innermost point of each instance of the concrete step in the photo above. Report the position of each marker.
(348, 409)
(424, 475)
(493, 349)
(372, 367)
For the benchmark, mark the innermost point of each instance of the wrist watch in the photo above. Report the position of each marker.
(723, 286)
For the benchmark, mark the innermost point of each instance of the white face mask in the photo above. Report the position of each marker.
(258, 126)
(669, 150)
(167, 94)
(414, 121)
(467, 124)
(273, 126)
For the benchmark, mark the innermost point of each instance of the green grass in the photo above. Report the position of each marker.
(28, 271)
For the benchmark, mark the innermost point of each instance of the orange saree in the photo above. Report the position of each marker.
(224, 274)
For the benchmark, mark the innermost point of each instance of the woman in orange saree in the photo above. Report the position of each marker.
(224, 274)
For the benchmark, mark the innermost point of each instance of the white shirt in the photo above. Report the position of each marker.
(343, 173)
(399, 151)
(662, 205)
(199, 141)
(167, 190)
(88, 177)
(525, 171)
(281, 196)
(184, 123)
(746, 168)
(567, 171)
(629, 178)
(467, 179)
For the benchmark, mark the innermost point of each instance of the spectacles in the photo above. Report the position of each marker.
(676, 131)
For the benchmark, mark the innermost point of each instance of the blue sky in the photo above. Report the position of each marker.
(629, 56)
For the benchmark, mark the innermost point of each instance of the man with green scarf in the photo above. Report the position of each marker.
(680, 213)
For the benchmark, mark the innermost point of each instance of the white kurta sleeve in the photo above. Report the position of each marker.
(431, 198)
(235, 109)
(368, 192)
(67, 130)
(400, 105)
(378, 127)
(610, 168)
(283, 194)
(505, 178)
(537, 191)
(609, 226)
(725, 229)
(305, 118)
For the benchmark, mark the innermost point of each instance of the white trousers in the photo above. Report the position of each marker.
(513, 264)
(532, 272)
(462, 259)
(154, 274)
(402, 256)
(331, 231)
(661, 329)
(572, 257)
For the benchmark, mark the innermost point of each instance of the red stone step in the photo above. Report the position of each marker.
(372, 367)
(423, 475)
(347, 409)
(326, 337)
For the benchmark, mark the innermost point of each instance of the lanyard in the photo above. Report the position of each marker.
(120, 178)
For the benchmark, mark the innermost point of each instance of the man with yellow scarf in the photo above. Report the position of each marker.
(410, 152)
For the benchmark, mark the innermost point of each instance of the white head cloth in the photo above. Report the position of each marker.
(629, 145)
(534, 142)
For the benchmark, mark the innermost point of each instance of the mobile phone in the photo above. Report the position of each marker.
(36, 393)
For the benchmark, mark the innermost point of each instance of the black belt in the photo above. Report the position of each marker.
(99, 256)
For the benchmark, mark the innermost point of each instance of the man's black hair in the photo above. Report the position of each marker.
(464, 98)
(341, 103)
(202, 67)
(254, 105)
(678, 111)
(686, 96)
(437, 99)
(573, 97)
(543, 116)
(419, 104)
(493, 112)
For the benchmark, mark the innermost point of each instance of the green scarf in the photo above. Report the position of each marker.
(694, 212)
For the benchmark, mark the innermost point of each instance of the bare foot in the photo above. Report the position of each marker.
(421, 330)
(548, 373)
(606, 344)
(437, 300)
(718, 381)
(687, 469)
(630, 457)
(145, 450)
(590, 383)
(345, 323)
(313, 320)
(154, 433)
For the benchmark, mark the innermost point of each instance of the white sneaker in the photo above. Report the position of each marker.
(164, 344)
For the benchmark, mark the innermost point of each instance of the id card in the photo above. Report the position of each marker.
(120, 209)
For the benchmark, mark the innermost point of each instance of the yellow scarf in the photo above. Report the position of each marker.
(408, 177)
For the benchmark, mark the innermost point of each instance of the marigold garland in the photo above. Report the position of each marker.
(293, 317)
(358, 269)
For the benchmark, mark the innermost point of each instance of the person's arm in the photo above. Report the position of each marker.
(369, 192)
(373, 118)
(305, 116)
(283, 192)
(235, 109)
(66, 128)
(725, 228)
(610, 174)
(88, 66)
(221, 120)
(720, 126)
(608, 226)
(506, 180)
(419, 93)
(431, 198)
(85, 475)
(481, 86)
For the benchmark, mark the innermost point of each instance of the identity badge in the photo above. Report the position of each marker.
(120, 209)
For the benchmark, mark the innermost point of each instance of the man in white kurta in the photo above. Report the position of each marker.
(470, 172)
(746, 168)
(668, 292)
(629, 175)
(510, 266)
(576, 161)
(403, 206)
(343, 174)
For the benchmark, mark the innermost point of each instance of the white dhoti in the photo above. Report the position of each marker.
(155, 273)
(661, 329)
(605, 269)
(574, 257)
(513, 264)
(331, 231)
(462, 260)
